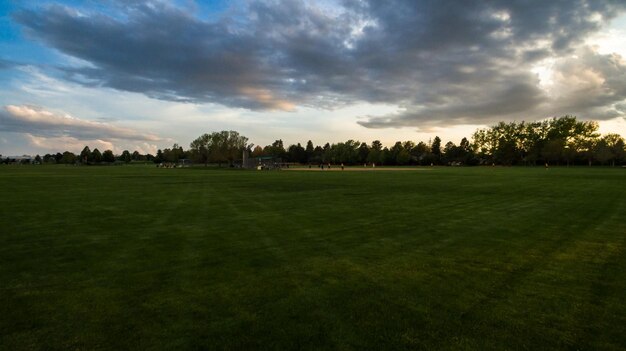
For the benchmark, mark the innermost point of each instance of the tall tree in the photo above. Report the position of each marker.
(552, 150)
(310, 151)
(326, 153)
(85, 155)
(125, 156)
(200, 149)
(277, 149)
(318, 154)
(68, 158)
(615, 144)
(403, 157)
(296, 153)
(107, 156)
(218, 147)
(602, 152)
(421, 153)
(376, 152)
(363, 152)
(435, 147)
(159, 158)
(235, 144)
(96, 156)
(554, 140)
(258, 151)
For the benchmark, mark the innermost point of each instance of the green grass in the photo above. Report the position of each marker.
(136, 257)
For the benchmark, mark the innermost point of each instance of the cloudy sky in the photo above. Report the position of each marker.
(142, 75)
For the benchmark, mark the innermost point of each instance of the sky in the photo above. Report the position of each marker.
(143, 75)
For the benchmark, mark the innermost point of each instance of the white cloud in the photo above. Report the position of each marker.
(46, 131)
(67, 143)
(37, 121)
(611, 40)
(144, 148)
(589, 84)
(63, 143)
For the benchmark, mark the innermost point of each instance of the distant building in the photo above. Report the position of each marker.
(260, 163)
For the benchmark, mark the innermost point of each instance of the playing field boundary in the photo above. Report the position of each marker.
(356, 169)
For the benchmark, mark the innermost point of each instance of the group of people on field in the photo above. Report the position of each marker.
(328, 166)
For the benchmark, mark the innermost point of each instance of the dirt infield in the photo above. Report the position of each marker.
(357, 169)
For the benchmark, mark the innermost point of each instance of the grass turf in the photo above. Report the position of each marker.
(136, 257)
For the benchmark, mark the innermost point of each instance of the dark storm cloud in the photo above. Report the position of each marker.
(440, 61)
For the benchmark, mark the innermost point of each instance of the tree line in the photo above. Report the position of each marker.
(563, 140)
(557, 141)
(87, 156)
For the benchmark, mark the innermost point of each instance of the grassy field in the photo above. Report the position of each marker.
(135, 257)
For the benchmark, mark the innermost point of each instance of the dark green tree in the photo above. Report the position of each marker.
(107, 156)
(435, 149)
(318, 154)
(68, 158)
(277, 149)
(258, 151)
(217, 147)
(615, 144)
(375, 155)
(363, 153)
(398, 154)
(553, 150)
(159, 158)
(125, 157)
(310, 151)
(326, 153)
(96, 156)
(420, 153)
(85, 155)
(199, 149)
(296, 153)
(602, 152)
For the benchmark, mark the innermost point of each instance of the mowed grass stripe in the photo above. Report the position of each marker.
(476, 258)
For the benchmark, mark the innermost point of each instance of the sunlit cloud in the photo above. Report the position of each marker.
(265, 98)
(67, 143)
(301, 70)
(36, 120)
(63, 143)
(46, 130)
